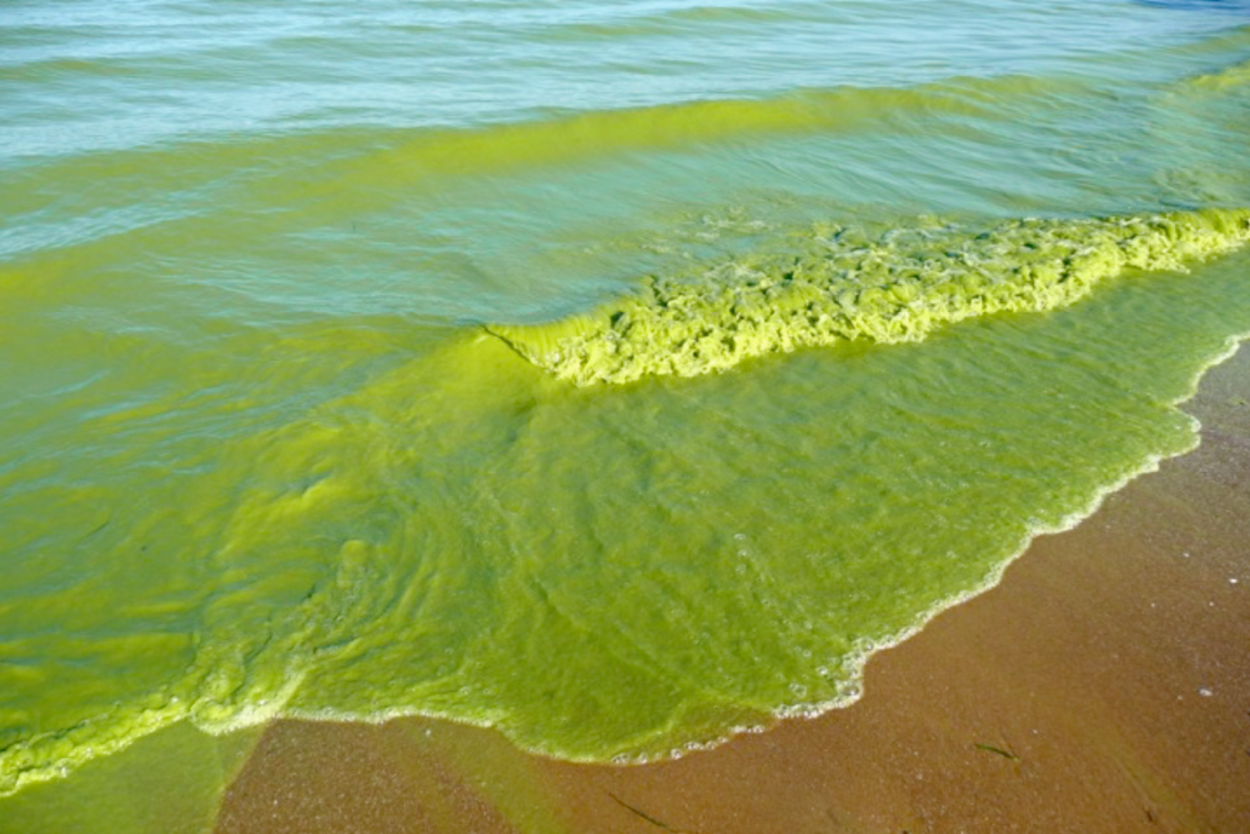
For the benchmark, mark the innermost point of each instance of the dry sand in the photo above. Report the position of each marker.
(1104, 686)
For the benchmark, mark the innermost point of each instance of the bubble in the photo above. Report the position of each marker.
(865, 645)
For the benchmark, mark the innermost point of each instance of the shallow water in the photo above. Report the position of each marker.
(264, 451)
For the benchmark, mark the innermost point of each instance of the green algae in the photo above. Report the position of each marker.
(897, 288)
(168, 782)
(255, 463)
(1225, 80)
(598, 574)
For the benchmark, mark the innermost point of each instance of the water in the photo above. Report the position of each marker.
(616, 374)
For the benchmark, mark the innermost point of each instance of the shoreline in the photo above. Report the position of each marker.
(1097, 686)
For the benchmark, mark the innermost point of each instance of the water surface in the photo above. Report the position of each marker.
(291, 294)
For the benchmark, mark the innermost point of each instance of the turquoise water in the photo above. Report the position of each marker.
(620, 375)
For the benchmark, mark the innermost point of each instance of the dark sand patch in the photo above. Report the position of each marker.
(1104, 686)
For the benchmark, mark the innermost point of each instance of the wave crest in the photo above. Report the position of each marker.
(898, 287)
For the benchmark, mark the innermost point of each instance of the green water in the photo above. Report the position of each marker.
(618, 375)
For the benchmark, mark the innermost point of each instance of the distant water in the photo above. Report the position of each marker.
(619, 374)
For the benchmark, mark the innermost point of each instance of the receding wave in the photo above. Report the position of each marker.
(898, 287)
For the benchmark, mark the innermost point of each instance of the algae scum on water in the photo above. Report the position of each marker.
(334, 386)
(620, 573)
(897, 288)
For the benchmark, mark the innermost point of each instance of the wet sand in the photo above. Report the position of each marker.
(1103, 686)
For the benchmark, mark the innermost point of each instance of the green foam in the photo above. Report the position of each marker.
(898, 287)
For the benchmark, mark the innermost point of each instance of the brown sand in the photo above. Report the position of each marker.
(1104, 686)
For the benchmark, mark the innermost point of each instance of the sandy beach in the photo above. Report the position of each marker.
(1102, 686)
